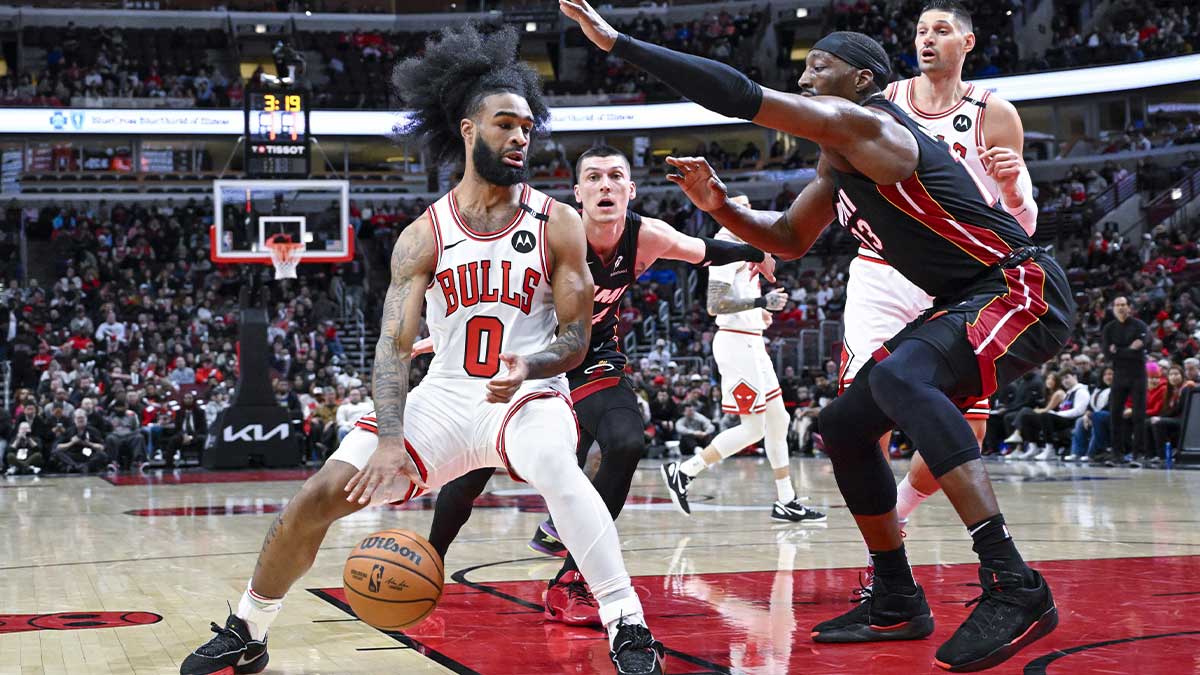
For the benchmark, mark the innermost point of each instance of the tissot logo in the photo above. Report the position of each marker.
(279, 149)
(254, 432)
(523, 242)
(962, 123)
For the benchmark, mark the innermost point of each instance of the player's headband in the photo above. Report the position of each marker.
(859, 51)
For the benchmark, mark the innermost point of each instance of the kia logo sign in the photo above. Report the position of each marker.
(254, 432)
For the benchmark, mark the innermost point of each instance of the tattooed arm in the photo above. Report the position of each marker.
(413, 259)
(722, 300)
(573, 292)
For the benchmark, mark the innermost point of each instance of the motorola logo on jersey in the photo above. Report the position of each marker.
(473, 283)
(523, 241)
(962, 123)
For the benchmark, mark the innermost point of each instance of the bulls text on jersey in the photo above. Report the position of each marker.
(469, 284)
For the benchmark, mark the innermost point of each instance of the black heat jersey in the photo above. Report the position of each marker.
(939, 227)
(611, 279)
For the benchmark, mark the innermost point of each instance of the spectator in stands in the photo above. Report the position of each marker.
(125, 444)
(1090, 438)
(111, 328)
(182, 373)
(25, 452)
(79, 447)
(1165, 426)
(663, 411)
(1045, 427)
(349, 412)
(694, 430)
(191, 430)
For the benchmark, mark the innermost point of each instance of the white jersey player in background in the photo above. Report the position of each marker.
(985, 132)
(749, 386)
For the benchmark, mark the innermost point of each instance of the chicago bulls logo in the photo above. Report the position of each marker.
(20, 623)
(744, 395)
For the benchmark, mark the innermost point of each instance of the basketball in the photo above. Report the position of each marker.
(393, 579)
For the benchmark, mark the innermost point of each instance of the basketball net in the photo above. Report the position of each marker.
(285, 255)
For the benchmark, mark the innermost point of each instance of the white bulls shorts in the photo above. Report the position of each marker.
(450, 430)
(879, 303)
(748, 377)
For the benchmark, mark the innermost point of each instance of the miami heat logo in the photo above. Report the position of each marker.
(744, 395)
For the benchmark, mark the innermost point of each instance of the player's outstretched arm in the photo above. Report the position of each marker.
(788, 235)
(571, 283)
(413, 260)
(877, 149)
(657, 239)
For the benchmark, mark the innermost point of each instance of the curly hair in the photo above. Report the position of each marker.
(450, 81)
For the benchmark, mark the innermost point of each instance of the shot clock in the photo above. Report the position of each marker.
(277, 134)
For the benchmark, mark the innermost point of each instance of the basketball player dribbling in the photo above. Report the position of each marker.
(1003, 307)
(621, 245)
(498, 266)
(749, 385)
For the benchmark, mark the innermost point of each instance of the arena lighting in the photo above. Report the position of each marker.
(260, 28)
(801, 12)
(196, 122)
(531, 27)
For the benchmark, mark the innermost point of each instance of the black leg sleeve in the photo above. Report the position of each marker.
(454, 504)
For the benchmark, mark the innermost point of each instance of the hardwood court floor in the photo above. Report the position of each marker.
(727, 590)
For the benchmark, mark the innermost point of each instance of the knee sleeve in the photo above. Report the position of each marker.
(851, 426)
(735, 439)
(909, 386)
(776, 433)
(622, 444)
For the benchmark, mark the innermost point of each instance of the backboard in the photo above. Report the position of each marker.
(246, 213)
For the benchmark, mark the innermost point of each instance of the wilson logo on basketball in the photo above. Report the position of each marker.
(389, 544)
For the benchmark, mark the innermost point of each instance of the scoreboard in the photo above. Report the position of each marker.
(277, 134)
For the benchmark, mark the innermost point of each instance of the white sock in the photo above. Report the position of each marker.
(783, 488)
(693, 466)
(258, 612)
(908, 498)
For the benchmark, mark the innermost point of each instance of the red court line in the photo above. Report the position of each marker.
(758, 622)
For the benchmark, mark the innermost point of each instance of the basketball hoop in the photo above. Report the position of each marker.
(285, 255)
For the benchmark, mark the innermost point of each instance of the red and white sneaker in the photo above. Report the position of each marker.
(570, 601)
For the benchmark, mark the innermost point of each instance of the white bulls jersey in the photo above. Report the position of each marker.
(961, 127)
(745, 285)
(490, 291)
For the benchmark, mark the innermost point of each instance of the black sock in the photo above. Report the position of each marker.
(995, 547)
(568, 566)
(891, 567)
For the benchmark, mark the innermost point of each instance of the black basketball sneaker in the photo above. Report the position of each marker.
(636, 652)
(546, 541)
(230, 651)
(1009, 615)
(881, 615)
(796, 512)
(677, 483)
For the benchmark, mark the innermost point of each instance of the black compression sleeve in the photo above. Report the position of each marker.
(712, 84)
(717, 252)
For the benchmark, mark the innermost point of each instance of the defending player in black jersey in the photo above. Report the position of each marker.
(621, 246)
(1003, 307)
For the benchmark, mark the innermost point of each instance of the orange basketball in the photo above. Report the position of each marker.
(393, 579)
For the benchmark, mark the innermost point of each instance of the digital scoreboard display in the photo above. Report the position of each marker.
(277, 134)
